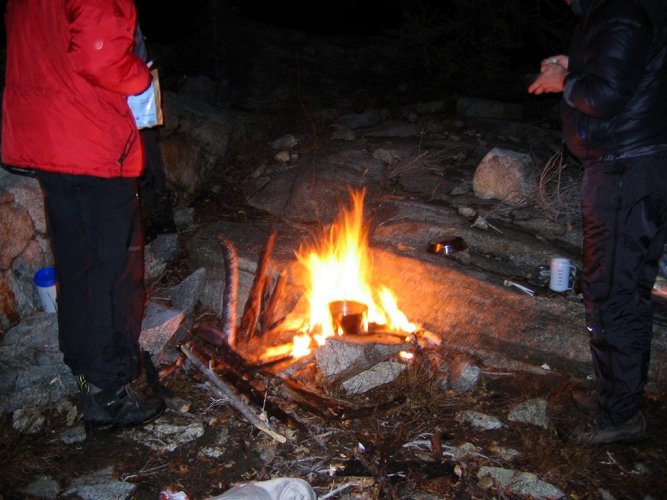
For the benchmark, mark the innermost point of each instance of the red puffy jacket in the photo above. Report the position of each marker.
(70, 67)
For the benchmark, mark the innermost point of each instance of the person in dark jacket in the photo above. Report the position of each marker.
(614, 112)
(69, 69)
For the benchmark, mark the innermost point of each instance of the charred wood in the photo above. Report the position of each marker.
(255, 380)
(209, 333)
(267, 319)
(252, 310)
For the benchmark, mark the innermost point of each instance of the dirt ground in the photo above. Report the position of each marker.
(325, 450)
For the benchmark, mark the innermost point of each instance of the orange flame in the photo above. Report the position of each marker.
(339, 268)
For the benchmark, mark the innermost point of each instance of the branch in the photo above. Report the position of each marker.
(252, 309)
(225, 392)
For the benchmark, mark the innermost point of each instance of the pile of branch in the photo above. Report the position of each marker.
(215, 352)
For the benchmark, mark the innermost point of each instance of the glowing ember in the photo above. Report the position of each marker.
(405, 355)
(339, 268)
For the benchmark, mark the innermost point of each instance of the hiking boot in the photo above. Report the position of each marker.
(585, 400)
(598, 432)
(110, 409)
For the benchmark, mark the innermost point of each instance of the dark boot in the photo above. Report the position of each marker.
(599, 432)
(108, 409)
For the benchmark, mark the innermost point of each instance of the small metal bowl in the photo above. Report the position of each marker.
(448, 246)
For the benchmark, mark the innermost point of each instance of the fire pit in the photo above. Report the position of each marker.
(347, 332)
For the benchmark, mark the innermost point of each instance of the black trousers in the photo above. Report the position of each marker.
(96, 233)
(624, 205)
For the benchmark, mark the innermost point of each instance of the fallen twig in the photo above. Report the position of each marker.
(335, 492)
(225, 392)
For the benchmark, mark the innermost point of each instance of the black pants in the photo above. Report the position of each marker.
(624, 205)
(96, 235)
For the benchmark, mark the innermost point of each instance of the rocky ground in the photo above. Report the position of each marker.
(503, 436)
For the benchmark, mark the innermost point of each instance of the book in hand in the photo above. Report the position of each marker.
(147, 106)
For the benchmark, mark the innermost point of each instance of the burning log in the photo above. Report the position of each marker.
(253, 306)
(227, 394)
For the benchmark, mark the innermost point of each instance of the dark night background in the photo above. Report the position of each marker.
(446, 41)
(476, 46)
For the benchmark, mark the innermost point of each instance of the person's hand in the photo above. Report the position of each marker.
(553, 71)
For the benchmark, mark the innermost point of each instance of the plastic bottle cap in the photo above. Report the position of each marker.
(45, 277)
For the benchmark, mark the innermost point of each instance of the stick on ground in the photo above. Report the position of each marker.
(225, 392)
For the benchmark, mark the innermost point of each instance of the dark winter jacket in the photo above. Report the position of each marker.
(70, 67)
(615, 97)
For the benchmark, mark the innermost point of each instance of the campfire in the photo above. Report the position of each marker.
(347, 330)
(337, 272)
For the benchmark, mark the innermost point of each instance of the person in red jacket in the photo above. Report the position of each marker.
(69, 69)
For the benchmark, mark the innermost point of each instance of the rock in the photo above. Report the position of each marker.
(429, 107)
(504, 453)
(467, 212)
(73, 435)
(183, 165)
(533, 411)
(158, 253)
(507, 176)
(159, 326)
(9, 310)
(217, 449)
(184, 218)
(520, 483)
(185, 295)
(43, 487)
(341, 357)
(16, 231)
(465, 451)
(26, 193)
(380, 374)
(165, 437)
(32, 371)
(100, 484)
(477, 419)
(285, 142)
(282, 156)
(205, 125)
(388, 156)
(464, 374)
